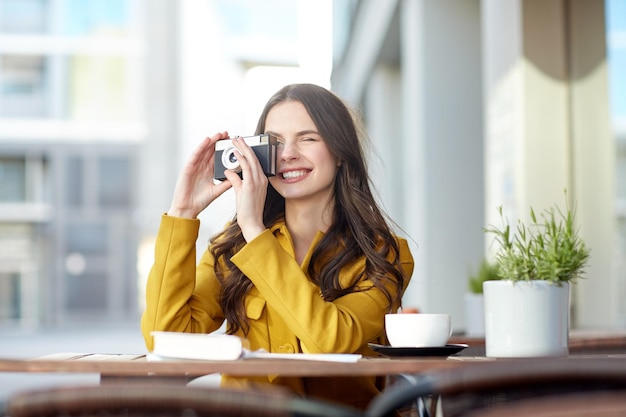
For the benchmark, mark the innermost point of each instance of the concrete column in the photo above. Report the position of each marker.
(386, 138)
(424, 113)
(546, 120)
(158, 168)
(415, 207)
(442, 183)
(598, 299)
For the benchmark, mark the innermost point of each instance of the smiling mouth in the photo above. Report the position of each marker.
(289, 175)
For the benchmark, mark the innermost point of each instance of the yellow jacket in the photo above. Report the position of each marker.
(285, 309)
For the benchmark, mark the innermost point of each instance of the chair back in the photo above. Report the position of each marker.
(136, 400)
(586, 404)
(482, 385)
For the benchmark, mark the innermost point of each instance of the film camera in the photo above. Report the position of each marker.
(264, 147)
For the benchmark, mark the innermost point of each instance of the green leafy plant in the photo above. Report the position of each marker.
(550, 250)
(487, 271)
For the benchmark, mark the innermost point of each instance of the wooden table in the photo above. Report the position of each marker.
(581, 342)
(114, 368)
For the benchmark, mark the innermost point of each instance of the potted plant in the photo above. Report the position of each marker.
(527, 311)
(474, 300)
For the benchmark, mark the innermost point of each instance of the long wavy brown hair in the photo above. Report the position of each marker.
(359, 228)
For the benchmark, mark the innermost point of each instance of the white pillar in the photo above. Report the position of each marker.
(546, 123)
(599, 297)
(442, 184)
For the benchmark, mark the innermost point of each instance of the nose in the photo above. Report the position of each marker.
(288, 151)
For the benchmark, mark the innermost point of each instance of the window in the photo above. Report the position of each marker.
(12, 180)
(9, 296)
(114, 180)
(86, 278)
(95, 17)
(100, 88)
(73, 182)
(22, 86)
(23, 16)
(87, 291)
(87, 238)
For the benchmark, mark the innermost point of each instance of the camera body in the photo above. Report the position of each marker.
(264, 147)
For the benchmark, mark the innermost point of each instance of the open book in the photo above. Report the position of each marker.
(215, 346)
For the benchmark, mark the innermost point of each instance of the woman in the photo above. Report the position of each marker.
(308, 264)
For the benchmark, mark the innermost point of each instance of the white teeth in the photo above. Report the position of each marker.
(293, 174)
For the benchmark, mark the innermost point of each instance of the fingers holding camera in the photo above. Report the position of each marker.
(250, 191)
(205, 150)
(195, 188)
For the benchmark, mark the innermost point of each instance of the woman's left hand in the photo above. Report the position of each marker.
(250, 191)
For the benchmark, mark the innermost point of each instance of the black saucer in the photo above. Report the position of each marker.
(446, 350)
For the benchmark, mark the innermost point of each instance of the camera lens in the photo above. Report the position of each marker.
(229, 159)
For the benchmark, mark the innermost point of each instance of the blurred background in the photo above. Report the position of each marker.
(469, 105)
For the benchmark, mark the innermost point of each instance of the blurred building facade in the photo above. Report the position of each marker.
(71, 121)
(101, 102)
(470, 104)
(492, 102)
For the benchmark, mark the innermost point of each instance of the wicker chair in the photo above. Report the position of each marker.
(582, 404)
(162, 400)
(477, 387)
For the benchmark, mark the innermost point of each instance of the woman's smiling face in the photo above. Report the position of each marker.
(306, 169)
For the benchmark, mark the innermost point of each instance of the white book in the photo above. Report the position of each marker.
(218, 346)
(211, 346)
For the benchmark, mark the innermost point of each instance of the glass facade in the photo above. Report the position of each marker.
(87, 49)
(23, 86)
(12, 179)
(80, 63)
(69, 78)
(114, 174)
(99, 89)
(23, 16)
(109, 18)
(616, 51)
(10, 302)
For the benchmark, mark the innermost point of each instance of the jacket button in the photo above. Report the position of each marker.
(287, 348)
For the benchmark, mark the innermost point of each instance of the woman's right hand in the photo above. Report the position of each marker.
(195, 188)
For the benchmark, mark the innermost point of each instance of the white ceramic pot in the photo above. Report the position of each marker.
(526, 319)
(474, 315)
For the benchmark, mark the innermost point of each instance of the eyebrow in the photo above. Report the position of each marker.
(300, 133)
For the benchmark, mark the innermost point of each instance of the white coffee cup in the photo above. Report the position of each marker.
(418, 330)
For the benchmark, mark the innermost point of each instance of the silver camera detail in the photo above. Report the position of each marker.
(264, 147)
